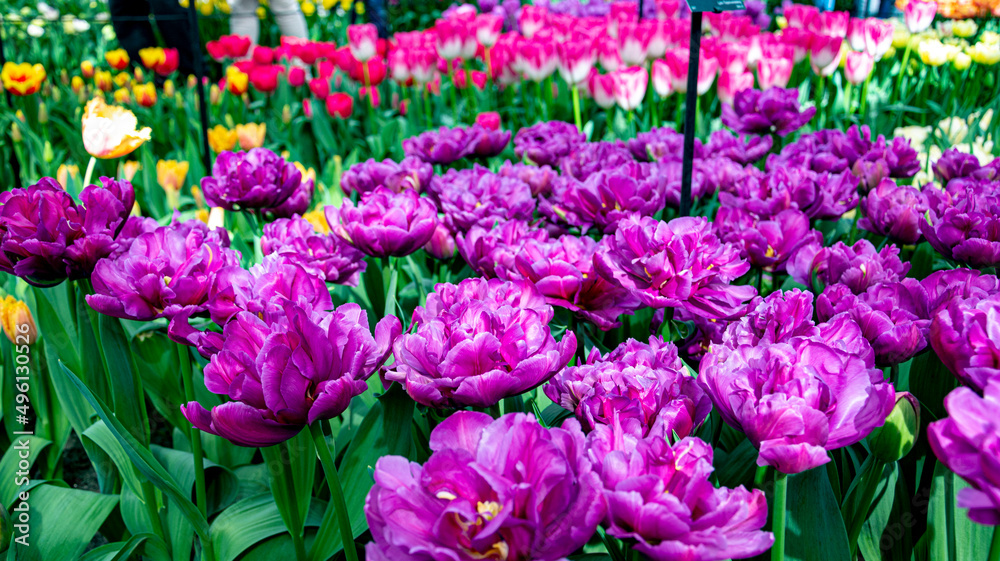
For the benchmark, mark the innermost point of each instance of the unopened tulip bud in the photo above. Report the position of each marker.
(64, 77)
(15, 133)
(192, 81)
(43, 113)
(168, 88)
(896, 437)
(286, 114)
(16, 320)
(215, 94)
(47, 154)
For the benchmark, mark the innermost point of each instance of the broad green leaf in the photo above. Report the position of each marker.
(126, 387)
(221, 484)
(737, 467)
(952, 536)
(814, 530)
(63, 521)
(23, 448)
(100, 436)
(118, 551)
(869, 542)
(251, 521)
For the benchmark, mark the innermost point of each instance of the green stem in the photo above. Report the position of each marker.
(194, 434)
(296, 529)
(336, 491)
(153, 511)
(759, 477)
(820, 94)
(995, 546)
(848, 105)
(451, 90)
(864, 97)
(576, 108)
(778, 527)
(90, 171)
(902, 70)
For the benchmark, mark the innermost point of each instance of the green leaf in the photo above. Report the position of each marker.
(63, 521)
(98, 437)
(294, 459)
(221, 484)
(814, 529)
(737, 467)
(554, 414)
(143, 459)
(118, 551)
(157, 360)
(126, 387)
(10, 480)
(251, 521)
(869, 542)
(953, 537)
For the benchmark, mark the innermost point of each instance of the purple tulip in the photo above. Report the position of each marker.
(767, 243)
(954, 164)
(966, 335)
(385, 223)
(263, 290)
(163, 272)
(503, 489)
(675, 264)
(965, 226)
(134, 227)
(897, 160)
(796, 396)
(478, 196)
(590, 157)
(478, 342)
(326, 256)
(301, 368)
(544, 144)
(894, 211)
(858, 267)
(257, 179)
(489, 250)
(743, 150)
(968, 442)
(660, 496)
(539, 178)
(645, 387)
(411, 173)
(662, 144)
(443, 146)
(944, 287)
(296, 204)
(47, 237)
(606, 197)
(773, 111)
(487, 143)
(820, 195)
(704, 333)
(892, 317)
(835, 151)
(442, 243)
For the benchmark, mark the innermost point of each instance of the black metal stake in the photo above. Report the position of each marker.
(690, 104)
(15, 164)
(199, 74)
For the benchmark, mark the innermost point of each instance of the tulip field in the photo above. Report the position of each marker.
(512, 281)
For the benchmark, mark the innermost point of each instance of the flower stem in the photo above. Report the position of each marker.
(90, 171)
(336, 491)
(576, 108)
(820, 94)
(864, 97)
(194, 435)
(759, 477)
(902, 70)
(995, 545)
(451, 90)
(149, 498)
(778, 527)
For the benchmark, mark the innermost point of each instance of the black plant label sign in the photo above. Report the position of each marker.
(715, 5)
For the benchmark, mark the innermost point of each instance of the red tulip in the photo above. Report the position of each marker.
(340, 105)
(489, 120)
(320, 87)
(265, 78)
(263, 55)
(169, 64)
(228, 46)
(307, 108)
(296, 76)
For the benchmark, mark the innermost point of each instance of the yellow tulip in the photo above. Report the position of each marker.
(103, 80)
(168, 88)
(990, 38)
(964, 28)
(110, 131)
(122, 96)
(932, 53)
(308, 8)
(983, 53)
(123, 79)
(17, 323)
(76, 83)
(22, 79)
(900, 37)
(251, 135)
(318, 220)
(117, 59)
(87, 68)
(170, 174)
(961, 61)
(65, 172)
(145, 94)
(151, 56)
(221, 139)
(129, 169)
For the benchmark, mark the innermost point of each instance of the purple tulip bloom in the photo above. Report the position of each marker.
(660, 495)
(385, 223)
(263, 290)
(858, 267)
(820, 195)
(968, 442)
(897, 160)
(489, 250)
(503, 489)
(301, 368)
(487, 143)
(894, 211)
(675, 264)
(606, 197)
(478, 196)
(662, 144)
(539, 178)
(645, 387)
(326, 256)
(442, 243)
(163, 272)
(767, 243)
(800, 389)
(743, 150)
(835, 151)
(257, 179)
(704, 333)
(563, 270)
(443, 146)
(411, 173)
(47, 237)
(590, 157)
(965, 226)
(478, 342)
(892, 317)
(134, 227)
(773, 111)
(944, 287)
(296, 204)
(544, 144)
(954, 164)
(966, 335)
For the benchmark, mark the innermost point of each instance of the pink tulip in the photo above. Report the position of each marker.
(667, 9)
(856, 34)
(363, 39)
(800, 15)
(858, 66)
(824, 54)
(376, 100)
(659, 37)
(296, 76)
(608, 54)
(832, 23)
(576, 58)
(661, 78)
(602, 88)
(732, 83)
(630, 87)
(919, 15)
(707, 69)
(799, 40)
(532, 19)
(399, 65)
(307, 108)
(451, 35)
(633, 42)
(488, 28)
(489, 120)
(320, 87)
(677, 64)
(878, 37)
(774, 72)
(537, 59)
(423, 64)
(732, 57)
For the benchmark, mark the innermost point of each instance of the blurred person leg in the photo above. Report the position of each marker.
(289, 17)
(174, 24)
(130, 19)
(243, 19)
